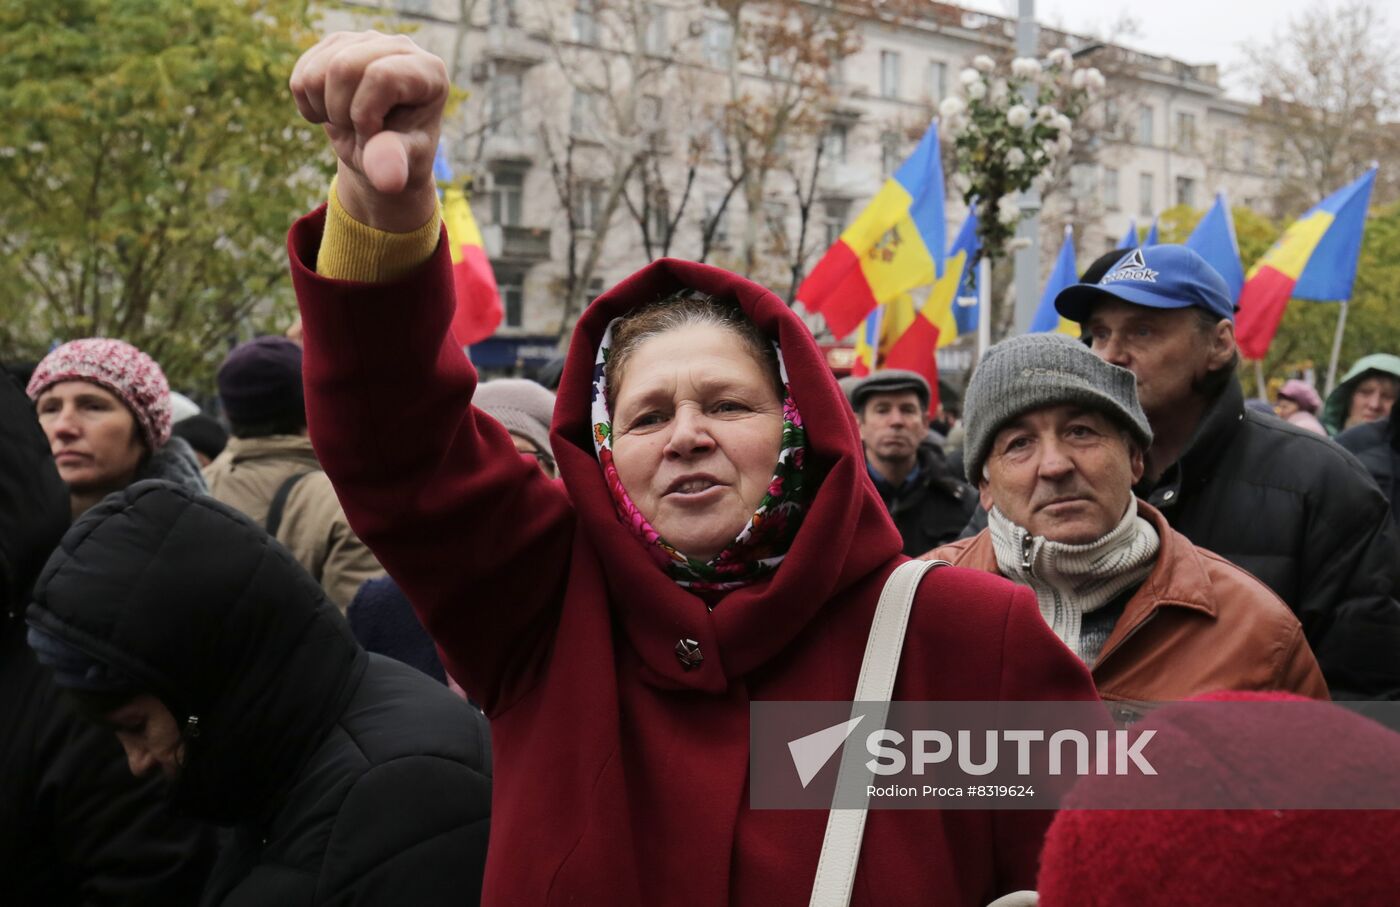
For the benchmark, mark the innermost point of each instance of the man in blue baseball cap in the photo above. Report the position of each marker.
(1285, 504)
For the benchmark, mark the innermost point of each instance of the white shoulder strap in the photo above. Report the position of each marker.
(836, 870)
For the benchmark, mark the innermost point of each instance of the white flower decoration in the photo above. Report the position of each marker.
(1046, 114)
(1094, 80)
(1016, 158)
(1018, 115)
(984, 63)
(969, 76)
(1000, 91)
(977, 90)
(1079, 79)
(1025, 67)
(1060, 57)
(951, 107)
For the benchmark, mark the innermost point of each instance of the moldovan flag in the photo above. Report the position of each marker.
(1065, 274)
(1214, 240)
(895, 244)
(868, 344)
(916, 333)
(479, 310)
(1314, 259)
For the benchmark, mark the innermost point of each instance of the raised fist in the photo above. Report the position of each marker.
(380, 99)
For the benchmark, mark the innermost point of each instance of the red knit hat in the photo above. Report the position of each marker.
(1224, 857)
(119, 367)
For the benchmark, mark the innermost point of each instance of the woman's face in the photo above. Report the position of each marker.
(150, 735)
(1372, 399)
(697, 428)
(92, 436)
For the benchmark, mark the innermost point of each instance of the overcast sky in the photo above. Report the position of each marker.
(1196, 31)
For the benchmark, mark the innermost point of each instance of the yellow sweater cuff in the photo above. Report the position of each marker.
(351, 250)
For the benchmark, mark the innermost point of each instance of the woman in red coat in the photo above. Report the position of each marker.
(714, 541)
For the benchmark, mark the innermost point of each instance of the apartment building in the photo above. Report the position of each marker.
(560, 95)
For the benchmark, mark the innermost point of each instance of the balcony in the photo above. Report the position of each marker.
(526, 245)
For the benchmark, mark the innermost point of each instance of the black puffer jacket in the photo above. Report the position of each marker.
(1377, 446)
(75, 826)
(1301, 514)
(348, 778)
(933, 508)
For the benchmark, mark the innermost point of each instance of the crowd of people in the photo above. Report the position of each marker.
(383, 614)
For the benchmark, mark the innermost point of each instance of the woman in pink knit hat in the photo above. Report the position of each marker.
(105, 407)
(1298, 403)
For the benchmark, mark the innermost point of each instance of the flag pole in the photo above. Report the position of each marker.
(1336, 349)
(1259, 387)
(984, 305)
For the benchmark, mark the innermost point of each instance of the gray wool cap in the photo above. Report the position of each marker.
(522, 406)
(886, 381)
(1039, 370)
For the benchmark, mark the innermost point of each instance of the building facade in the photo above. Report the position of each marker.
(600, 134)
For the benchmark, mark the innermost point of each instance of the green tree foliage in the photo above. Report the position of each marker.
(1305, 337)
(150, 163)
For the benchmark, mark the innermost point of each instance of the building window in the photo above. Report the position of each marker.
(1186, 191)
(719, 42)
(586, 21)
(588, 205)
(1081, 181)
(658, 37)
(503, 12)
(775, 218)
(1144, 131)
(937, 80)
(649, 112)
(720, 236)
(507, 197)
(583, 118)
(889, 153)
(1186, 131)
(511, 284)
(659, 216)
(1110, 188)
(889, 74)
(837, 211)
(507, 89)
(1145, 195)
(1222, 148)
(1248, 154)
(834, 149)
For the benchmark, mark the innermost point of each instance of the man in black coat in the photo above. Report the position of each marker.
(929, 504)
(75, 826)
(1377, 446)
(1286, 504)
(347, 778)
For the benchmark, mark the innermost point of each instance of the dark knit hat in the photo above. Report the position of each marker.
(1263, 747)
(119, 367)
(522, 406)
(261, 380)
(1038, 370)
(203, 433)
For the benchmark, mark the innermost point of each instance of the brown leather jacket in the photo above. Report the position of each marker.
(1198, 623)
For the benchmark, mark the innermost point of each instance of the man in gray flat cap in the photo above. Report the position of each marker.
(1055, 443)
(929, 503)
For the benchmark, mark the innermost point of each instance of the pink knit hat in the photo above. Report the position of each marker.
(1301, 393)
(118, 367)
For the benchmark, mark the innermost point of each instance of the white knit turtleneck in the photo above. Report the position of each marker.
(1072, 580)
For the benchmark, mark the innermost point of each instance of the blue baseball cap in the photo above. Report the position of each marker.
(1159, 277)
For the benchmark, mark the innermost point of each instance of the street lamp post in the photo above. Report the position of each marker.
(1027, 258)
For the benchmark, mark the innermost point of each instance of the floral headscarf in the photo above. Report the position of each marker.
(764, 541)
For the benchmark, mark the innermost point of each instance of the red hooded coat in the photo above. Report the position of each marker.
(622, 778)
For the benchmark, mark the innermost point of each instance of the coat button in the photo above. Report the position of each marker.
(688, 654)
(1169, 495)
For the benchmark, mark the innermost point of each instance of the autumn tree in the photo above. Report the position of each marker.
(1330, 87)
(150, 166)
